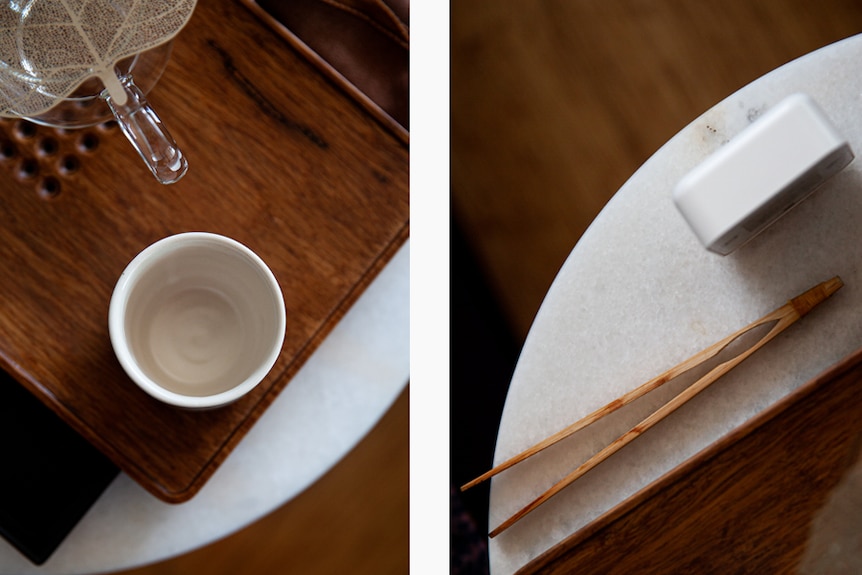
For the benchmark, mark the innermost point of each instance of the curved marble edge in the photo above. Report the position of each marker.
(336, 398)
(639, 294)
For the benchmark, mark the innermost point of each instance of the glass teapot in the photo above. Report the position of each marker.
(77, 63)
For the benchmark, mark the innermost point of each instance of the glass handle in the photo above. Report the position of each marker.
(145, 131)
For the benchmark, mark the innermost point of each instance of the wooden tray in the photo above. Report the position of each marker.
(744, 505)
(280, 159)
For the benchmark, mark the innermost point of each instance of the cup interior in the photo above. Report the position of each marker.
(197, 316)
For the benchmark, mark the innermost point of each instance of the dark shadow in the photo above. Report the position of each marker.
(482, 358)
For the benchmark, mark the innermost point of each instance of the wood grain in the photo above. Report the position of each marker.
(279, 159)
(744, 505)
(555, 104)
(355, 519)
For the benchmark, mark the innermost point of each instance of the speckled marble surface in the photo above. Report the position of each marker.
(638, 294)
(329, 406)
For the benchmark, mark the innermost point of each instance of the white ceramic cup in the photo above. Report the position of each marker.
(197, 320)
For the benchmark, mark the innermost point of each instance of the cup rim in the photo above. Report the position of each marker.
(119, 301)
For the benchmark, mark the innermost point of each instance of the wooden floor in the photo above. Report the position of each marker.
(355, 519)
(555, 103)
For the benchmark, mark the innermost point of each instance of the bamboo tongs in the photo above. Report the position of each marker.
(783, 317)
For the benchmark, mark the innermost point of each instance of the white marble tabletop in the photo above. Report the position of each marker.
(638, 294)
(332, 402)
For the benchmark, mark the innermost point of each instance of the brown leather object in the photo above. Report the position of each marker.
(367, 41)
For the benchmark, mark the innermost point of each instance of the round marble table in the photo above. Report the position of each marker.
(639, 294)
(336, 398)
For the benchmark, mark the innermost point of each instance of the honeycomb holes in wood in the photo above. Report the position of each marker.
(45, 156)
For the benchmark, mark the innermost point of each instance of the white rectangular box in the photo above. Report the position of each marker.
(771, 166)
